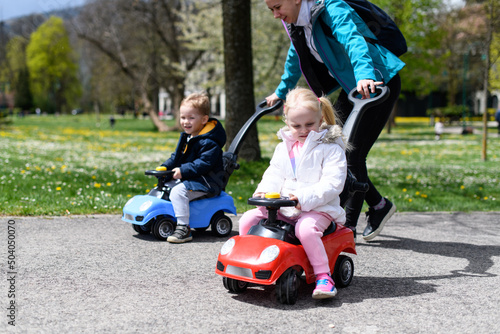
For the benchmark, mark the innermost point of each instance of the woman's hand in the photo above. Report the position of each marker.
(272, 99)
(367, 86)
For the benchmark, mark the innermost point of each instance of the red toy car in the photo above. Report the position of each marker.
(270, 253)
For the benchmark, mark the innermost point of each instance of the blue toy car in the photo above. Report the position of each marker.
(153, 213)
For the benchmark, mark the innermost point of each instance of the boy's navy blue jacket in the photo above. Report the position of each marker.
(200, 158)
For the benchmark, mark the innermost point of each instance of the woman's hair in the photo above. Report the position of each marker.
(307, 99)
(199, 101)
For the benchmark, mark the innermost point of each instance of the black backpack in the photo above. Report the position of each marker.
(382, 26)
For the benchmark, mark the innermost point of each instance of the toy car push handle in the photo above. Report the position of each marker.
(359, 107)
(261, 110)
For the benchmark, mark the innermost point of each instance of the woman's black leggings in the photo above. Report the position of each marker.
(370, 126)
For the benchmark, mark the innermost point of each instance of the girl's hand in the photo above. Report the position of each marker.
(177, 173)
(261, 195)
(294, 198)
(272, 99)
(365, 87)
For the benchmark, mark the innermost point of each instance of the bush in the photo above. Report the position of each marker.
(448, 114)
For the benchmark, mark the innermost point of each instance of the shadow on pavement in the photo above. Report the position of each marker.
(480, 257)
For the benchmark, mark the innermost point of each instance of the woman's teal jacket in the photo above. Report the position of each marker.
(346, 54)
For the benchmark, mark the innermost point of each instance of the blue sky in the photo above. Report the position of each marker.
(15, 8)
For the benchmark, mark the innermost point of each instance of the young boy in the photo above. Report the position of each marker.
(196, 162)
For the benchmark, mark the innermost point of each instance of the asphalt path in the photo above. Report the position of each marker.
(425, 273)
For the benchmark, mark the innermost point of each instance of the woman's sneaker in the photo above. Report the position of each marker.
(181, 234)
(325, 287)
(377, 219)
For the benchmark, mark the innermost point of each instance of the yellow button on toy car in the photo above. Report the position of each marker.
(273, 195)
(161, 168)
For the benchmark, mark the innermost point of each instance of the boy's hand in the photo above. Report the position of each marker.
(261, 195)
(177, 173)
(294, 198)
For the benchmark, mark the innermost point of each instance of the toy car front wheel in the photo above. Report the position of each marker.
(234, 285)
(287, 287)
(221, 224)
(163, 228)
(141, 229)
(343, 271)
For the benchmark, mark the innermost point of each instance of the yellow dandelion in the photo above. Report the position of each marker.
(97, 185)
(410, 200)
(404, 190)
(94, 177)
(58, 189)
(108, 184)
(462, 187)
(408, 177)
(129, 195)
(417, 193)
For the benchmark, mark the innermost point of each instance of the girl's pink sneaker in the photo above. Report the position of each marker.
(325, 287)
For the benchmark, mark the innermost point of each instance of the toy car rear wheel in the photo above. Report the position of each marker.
(287, 287)
(343, 271)
(163, 228)
(141, 229)
(221, 224)
(234, 285)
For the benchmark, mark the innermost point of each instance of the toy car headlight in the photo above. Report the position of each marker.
(129, 201)
(269, 254)
(144, 206)
(226, 248)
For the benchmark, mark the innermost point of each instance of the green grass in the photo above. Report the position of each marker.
(79, 165)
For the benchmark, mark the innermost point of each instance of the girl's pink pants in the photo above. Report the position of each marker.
(309, 228)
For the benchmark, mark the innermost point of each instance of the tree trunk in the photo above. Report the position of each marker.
(489, 38)
(148, 107)
(392, 118)
(240, 102)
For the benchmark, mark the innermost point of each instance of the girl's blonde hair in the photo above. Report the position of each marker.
(199, 101)
(307, 99)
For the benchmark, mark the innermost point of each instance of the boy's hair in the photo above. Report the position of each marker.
(307, 99)
(199, 101)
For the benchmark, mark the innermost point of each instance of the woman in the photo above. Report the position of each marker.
(329, 48)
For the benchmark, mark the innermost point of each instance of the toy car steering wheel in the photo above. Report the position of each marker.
(272, 201)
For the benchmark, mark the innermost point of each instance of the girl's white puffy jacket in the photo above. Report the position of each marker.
(320, 175)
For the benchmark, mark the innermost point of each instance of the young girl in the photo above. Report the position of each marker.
(309, 166)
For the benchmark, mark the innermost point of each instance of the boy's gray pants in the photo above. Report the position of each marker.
(180, 198)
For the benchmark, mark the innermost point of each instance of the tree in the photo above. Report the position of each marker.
(239, 73)
(18, 72)
(270, 45)
(52, 67)
(495, 63)
(152, 43)
(492, 24)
